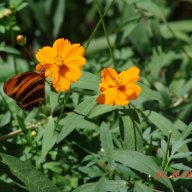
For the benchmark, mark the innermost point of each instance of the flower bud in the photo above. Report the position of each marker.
(33, 133)
(21, 40)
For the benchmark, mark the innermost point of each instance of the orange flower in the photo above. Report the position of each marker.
(62, 62)
(119, 89)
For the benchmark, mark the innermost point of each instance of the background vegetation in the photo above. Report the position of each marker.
(143, 147)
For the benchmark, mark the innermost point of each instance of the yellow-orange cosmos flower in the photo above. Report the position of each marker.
(62, 62)
(119, 89)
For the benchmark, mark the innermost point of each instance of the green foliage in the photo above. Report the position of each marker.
(74, 144)
(34, 180)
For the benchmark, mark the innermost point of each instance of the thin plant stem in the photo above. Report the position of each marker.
(63, 106)
(106, 34)
(97, 26)
(17, 132)
(164, 165)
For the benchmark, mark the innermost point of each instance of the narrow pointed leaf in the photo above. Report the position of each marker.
(101, 185)
(33, 179)
(49, 138)
(106, 141)
(130, 134)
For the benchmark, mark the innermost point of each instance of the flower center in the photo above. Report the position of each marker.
(58, 60)
(119, 83)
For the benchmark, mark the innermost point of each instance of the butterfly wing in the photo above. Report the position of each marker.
(27, 89)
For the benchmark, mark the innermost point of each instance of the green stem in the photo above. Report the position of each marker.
(106, 34)
(167, 150)
(97, 26)
(63, 106)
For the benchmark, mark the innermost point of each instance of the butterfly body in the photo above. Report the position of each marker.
(27, 89)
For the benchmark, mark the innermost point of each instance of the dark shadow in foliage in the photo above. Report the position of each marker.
(150, 105)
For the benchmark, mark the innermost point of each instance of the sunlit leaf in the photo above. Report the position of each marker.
(142, 163)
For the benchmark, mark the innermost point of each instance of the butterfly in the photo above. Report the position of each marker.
(27, 89)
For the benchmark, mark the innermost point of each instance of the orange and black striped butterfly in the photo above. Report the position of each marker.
(27, 89)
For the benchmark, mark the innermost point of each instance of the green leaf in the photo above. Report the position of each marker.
(111, 186)
(141, 187)
(9, 50)
(182, 155)
(187, 131)
(151, 7)
(147, 93)
(126, 172)
(181, 25)
(99, 110)
(5, 119)
(129, 23)
(181, 166)
(106, 141)
(53, 166)
(167, 34)
(71, 122)
(178, 144)
(21, 6)
(49, 138)
(162, 123)
(58, 17)
(101, 185)
(33, 179)
(21, 122)
(142, 45)
(99, 44)
(85, 124)
(53, 99)
(91, 171)
(130, 132)
(142, 163)
(87, 81)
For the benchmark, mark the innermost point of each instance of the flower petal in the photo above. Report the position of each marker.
(77, 61)
(45, 55)
(107, 97)
(73, 74)
(52, 71)
(61, 46)
(103, 86)
(121, 99)
(108, 76)
(64, 84)
(101, 99)
(131, 75)
(75, 50)
(47, 67)
(133, 91)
